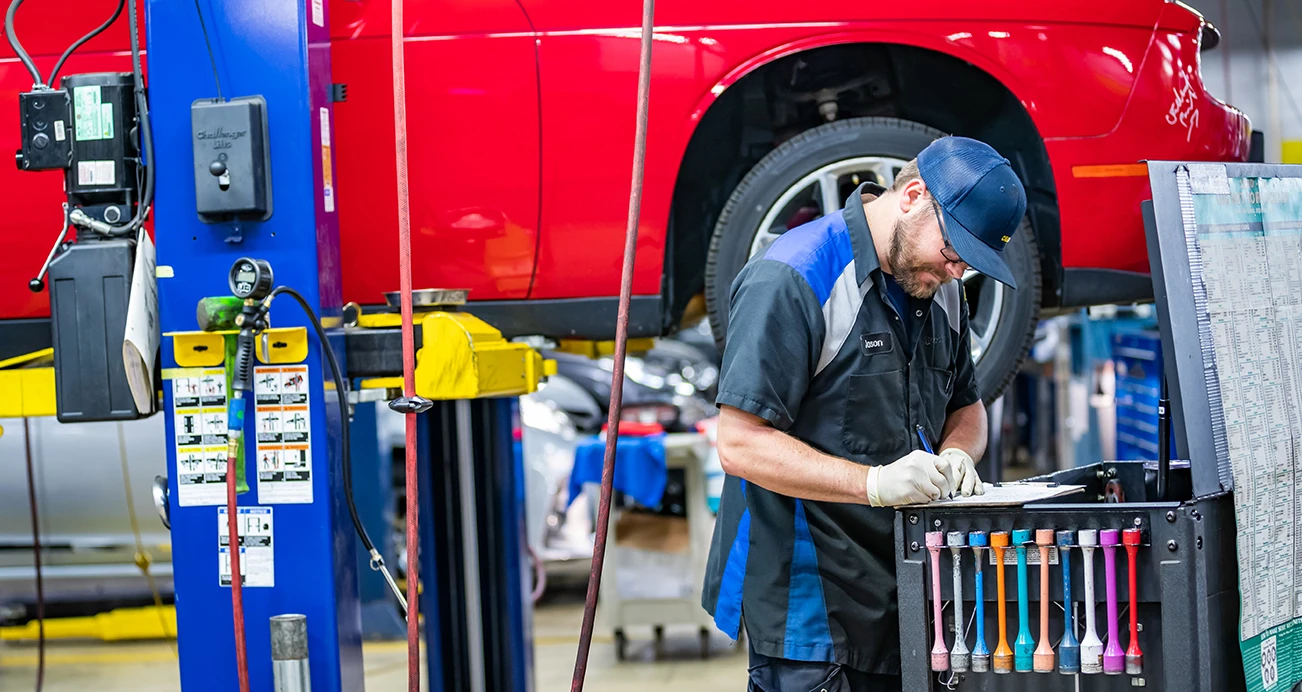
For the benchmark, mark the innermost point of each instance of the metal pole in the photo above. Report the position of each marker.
(470, 546)
(289, 666)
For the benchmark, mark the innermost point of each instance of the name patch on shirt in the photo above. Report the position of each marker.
(876, 344)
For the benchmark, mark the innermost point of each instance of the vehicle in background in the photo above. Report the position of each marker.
(88, 546)
(765, 114)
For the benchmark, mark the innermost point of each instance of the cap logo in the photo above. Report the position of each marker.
(1006, 238)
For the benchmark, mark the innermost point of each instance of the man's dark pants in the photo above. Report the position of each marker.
(781, 675)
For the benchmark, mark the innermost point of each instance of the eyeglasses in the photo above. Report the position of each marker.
(948, 252)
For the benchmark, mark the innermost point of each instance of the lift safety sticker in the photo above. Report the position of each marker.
(318, 12)
(284, 423)
(92, 119)
(257, 555)
(327, 170)
(199, 411)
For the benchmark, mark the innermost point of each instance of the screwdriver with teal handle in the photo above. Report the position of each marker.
(1024, 646)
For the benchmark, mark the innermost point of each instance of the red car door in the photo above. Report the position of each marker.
(473, 147)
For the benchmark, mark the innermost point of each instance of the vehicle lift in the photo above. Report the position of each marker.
(219, 164)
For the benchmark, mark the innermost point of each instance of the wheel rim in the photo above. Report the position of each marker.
(826, 189)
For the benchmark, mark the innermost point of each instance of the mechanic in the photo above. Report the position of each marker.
(847, 340)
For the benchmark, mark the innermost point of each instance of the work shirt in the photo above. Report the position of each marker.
(815, 347)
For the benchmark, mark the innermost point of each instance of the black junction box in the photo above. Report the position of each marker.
(232, 159)
(46, 118)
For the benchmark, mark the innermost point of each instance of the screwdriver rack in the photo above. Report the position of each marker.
(1186, 586)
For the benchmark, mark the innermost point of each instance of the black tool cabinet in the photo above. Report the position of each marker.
(1186, 579)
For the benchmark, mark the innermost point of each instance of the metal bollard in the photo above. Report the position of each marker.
(289, 654)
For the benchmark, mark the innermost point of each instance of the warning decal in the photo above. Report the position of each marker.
(283, 422)
(199, 410)
(257, 556)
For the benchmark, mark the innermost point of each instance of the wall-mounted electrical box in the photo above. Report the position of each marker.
(232, 159)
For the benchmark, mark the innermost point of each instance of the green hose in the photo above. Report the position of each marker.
(241, 479)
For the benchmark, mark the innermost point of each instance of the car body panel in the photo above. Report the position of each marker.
(88, 546)
(521, 122)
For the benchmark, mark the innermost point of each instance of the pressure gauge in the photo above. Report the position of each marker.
(251, 278)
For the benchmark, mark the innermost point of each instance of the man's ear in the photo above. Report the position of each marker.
(912, 195)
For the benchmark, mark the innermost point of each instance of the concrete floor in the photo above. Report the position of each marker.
(152, 666)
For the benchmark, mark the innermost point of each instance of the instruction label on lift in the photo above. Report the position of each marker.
(199, 411)
(327, 169)
(257, 555)
(283, 423)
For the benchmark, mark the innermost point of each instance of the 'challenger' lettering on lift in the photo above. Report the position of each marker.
(224, 138)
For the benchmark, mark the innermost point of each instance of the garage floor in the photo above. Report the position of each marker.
(151, 666)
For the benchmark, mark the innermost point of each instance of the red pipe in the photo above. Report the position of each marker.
(233, 549)
(621, 342)
(408, 348)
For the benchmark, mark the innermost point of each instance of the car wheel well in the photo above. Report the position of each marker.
(804, 90)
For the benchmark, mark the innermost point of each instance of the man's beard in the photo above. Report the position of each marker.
(907, 269)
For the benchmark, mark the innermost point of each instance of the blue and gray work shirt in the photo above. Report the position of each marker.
(817, 348)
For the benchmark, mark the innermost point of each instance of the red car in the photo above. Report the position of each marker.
(764, 114)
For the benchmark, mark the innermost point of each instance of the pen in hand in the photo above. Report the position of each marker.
(926, 447)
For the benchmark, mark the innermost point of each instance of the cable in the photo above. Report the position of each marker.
(142, 112)
(36, 556)
(59, 65)
(377, 560)
(211, 59)
(621, 344)
(18, 47)
(142, 559)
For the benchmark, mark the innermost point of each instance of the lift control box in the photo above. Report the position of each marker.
(46, 143)
(232, 159)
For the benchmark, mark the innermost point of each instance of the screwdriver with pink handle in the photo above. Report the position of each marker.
(1114, 657)
(939, 654)
(1043, 657)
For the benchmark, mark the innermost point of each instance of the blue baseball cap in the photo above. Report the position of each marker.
(980, 197)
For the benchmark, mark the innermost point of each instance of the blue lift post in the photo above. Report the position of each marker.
(278, 49)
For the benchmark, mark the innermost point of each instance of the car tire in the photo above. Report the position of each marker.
(1007, 318)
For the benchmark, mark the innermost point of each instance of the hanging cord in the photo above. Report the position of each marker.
(36, 557)
(211, 58)
(54, 74)
(621, 343)
(142, 558)
(377, 560)
(18, 47)
(408, 348)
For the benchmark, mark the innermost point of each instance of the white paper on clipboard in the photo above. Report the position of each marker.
(1008, 495)
(140, 342)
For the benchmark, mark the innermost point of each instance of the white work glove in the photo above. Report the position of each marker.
(914, 479)
(961, 472)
